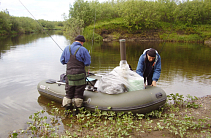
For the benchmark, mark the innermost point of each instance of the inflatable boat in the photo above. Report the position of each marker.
(140, 101)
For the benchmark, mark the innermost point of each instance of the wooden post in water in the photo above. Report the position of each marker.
(122, 49)
(123, 62)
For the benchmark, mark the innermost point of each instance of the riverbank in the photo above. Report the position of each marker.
(178, 118)
(149, 35)
(208, 42)
(157, 35)
(113, 30)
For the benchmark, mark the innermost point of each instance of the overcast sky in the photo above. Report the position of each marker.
(50, 10)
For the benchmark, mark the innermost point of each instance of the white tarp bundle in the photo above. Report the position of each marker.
(121, 79)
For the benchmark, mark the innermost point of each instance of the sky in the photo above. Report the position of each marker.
(50, 10)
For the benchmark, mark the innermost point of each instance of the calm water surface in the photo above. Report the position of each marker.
(25, 60)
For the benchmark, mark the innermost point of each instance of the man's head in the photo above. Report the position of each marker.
(80, 38)
(151, 54)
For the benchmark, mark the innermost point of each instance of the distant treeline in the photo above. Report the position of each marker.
(136, 15)
(22, 25)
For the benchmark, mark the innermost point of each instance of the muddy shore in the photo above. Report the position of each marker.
(149, 36)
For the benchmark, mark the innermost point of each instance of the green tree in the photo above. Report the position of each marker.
(138, 15)
(81, 10)
(60, 24)
(5, 25)
(74, 27)
(15, 24)
(194, 12)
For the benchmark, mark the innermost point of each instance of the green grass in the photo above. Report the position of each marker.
(115, 27)
(167, 31)
(181, 38)
(173, 120)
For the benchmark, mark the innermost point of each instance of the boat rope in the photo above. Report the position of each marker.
(40, 25)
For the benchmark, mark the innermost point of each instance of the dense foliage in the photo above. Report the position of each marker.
(139, 15)
(179, 118)
(22, 25)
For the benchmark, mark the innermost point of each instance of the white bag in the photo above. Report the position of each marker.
(121, 79)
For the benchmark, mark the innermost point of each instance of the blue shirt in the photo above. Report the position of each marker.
(142, 66)
(82, 54)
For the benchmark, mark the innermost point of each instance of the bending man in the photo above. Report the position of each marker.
(149, 66)
(76, 57)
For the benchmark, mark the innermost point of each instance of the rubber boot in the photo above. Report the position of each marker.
(67, 103)
(77, 104)
(68, 109)
(75, 109)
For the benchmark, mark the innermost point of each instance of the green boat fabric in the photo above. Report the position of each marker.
(140, 101)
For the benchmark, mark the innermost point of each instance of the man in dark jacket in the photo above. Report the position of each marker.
(76, 57)
(149, 66)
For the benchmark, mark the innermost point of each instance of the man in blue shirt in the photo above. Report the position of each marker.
(76, 57)
(149, 66)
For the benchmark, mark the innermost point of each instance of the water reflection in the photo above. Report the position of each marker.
(185, 67)
(27, 59)
(186, 60)
(48, 106)
(8, 43)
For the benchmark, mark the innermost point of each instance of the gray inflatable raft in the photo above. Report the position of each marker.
(141, 101)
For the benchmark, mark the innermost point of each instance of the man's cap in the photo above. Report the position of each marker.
(151, 52)
(80, 38)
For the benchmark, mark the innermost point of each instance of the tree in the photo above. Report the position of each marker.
(81, 10)
(74, 27)
(5, 25)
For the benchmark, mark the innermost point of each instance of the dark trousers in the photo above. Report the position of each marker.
(148, 78)
(74, 91)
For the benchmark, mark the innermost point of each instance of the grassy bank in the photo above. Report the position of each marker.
(178, 118)
(111, 30)
(180, 21)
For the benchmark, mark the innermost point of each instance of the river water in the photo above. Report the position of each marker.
(27, 59)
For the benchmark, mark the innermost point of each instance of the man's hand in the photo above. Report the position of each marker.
(153, 83)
